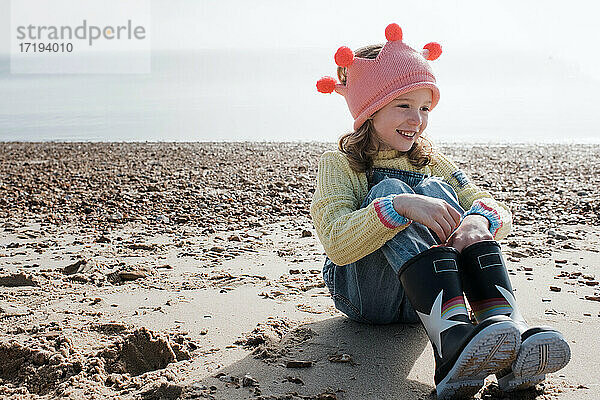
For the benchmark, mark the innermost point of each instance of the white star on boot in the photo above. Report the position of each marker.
(515, 315)
(435, 324)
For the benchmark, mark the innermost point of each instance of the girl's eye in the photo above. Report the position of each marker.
(408, 106)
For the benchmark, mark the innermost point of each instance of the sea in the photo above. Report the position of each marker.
(270, 95)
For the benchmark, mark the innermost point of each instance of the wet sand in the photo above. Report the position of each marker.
(179, 270)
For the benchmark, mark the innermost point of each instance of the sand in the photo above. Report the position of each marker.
(178, 270)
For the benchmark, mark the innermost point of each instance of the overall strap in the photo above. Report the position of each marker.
(369, 174)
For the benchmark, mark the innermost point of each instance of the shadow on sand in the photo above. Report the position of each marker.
(382, 358)
(387, 362)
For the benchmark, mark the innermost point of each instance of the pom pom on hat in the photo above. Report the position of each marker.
(393, 32)
(344, 56)
(326, 84)
(431, 51)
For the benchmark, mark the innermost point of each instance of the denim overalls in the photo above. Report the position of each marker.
(368, 290)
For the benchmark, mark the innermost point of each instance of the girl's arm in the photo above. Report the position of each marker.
(473, 199)
(348, 232)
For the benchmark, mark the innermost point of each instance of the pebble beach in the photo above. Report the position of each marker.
(193, 270)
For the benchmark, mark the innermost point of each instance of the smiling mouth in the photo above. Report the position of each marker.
(406, 134)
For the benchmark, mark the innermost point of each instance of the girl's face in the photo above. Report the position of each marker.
(403, 119)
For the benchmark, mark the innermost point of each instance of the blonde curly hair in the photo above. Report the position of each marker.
(362, 145)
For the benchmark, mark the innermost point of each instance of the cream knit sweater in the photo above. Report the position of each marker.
(348, 233)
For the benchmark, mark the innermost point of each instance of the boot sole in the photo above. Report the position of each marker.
(540, 354)
(491, 350)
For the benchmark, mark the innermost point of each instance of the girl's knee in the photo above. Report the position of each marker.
(435, 187)
(390, 186)
(438, 188)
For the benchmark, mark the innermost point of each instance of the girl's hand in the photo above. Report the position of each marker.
(474, 228)
(434, 213)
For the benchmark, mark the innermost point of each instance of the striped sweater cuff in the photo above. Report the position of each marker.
(492, 215)
(384, 207)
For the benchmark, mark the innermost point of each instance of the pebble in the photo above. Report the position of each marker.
(127, 274)
(341, 358)
(557, 236)
(293, 379)
(248, 380)
(74, 268)
(16, 280)
(298, 364)
(227, 378)
(141, 246)
(115, 217)
(162, 219)
(131, 275)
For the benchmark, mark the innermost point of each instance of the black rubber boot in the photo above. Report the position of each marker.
(465, 354)
(487, 286)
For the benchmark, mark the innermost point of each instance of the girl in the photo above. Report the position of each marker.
(407, 233)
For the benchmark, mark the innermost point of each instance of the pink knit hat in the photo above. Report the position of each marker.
(372, 83)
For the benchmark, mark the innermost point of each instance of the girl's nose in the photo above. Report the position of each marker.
(415, 118)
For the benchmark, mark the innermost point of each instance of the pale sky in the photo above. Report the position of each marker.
(510, 55)
(564, 30)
